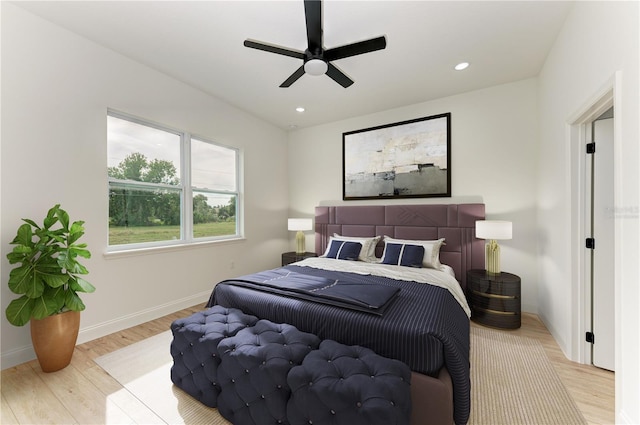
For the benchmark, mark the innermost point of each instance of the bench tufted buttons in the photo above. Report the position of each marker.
(233, 381)
(358, 404)
(246, 371)
(279, 386)
(333, 412)
(392, 403)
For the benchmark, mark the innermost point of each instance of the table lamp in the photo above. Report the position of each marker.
(300, 225)
(493, 230)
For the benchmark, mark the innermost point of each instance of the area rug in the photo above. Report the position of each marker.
(512, 381)
(144, 369)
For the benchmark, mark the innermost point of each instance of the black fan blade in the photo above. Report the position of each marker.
(274, 49)
(338, 76)
(294, 77)
(354, 49)
(313, 16)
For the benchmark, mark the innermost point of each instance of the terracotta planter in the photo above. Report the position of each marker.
(54, 339)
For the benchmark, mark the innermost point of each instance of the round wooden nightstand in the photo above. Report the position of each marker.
(494, 299)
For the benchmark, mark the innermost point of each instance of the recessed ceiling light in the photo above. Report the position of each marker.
(300, 109)
(461, 66)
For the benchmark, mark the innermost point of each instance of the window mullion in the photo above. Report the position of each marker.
(187, 193)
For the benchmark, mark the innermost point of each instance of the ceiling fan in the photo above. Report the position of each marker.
(317, 60)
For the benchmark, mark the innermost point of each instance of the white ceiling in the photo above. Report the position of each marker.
(200, 43)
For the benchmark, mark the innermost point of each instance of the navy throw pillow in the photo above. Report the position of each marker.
(344, 250)
(403, 255)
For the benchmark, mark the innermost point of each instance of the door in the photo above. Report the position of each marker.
(602, 232)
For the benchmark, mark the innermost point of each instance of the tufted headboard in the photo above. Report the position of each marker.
(454, 222)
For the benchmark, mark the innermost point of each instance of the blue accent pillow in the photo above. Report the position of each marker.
(344, 250)
(403, 255)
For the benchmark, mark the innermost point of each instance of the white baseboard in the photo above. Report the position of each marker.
(24, 354)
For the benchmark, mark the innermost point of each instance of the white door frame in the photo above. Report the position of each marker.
(578, 129)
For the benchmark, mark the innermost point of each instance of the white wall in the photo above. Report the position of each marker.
(494, 149)
(597, 48)
(56, 88)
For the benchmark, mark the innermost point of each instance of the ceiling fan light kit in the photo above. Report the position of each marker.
(316, 67)
(317, 60)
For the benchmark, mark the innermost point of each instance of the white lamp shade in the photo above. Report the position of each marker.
(493, 229)
(301, 224)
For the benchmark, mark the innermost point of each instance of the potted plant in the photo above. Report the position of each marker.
(48, 280)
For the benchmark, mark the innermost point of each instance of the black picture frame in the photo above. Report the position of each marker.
(408, 159)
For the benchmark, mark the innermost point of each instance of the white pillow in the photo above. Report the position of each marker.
(368, 251)
(431, 250)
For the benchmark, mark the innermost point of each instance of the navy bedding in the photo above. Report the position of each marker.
(424, 326)
(348, 293)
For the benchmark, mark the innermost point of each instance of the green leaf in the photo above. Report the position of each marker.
(24, 280)
(24, 235)
(44, 307)
(64, 218)
(19, 311)
(57, 295)
(73, 301)
(75, 232)
(31, 222)
(80, 251)
(54, 280)
(81, 285)
(50, 219)
(19, 254)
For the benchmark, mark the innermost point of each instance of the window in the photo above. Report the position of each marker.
(167, 186)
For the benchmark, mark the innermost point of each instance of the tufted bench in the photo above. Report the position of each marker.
(253, 372)
(195, 349)
(349, 385)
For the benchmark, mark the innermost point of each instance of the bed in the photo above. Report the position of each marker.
(424, 325)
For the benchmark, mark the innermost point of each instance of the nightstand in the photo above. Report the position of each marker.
(292, 257)
(494, 299)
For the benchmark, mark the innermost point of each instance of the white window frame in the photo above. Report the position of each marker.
(185, 188)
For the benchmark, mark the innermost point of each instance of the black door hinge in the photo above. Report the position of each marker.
(591, 147)
(591, 243)
(591, 337)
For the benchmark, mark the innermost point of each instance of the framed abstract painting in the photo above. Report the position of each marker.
(408, 159)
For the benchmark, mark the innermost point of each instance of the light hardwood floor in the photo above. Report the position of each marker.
(83, 393)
